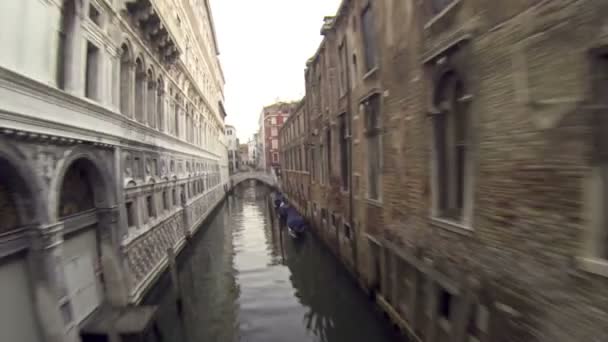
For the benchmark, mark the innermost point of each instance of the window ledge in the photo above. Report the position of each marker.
(451, 226)
(449, 8)
(370, 73)
(593, 265)
(374, 202)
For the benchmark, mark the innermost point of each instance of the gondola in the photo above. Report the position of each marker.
(296, 225)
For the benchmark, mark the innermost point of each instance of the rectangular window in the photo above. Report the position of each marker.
(344, 151)
(165, 200)
(274, 132)
(275, 157)
(273, 121)
(369, 37)
(313, 164)
(374, 148)
(321, 152)
(275, 144)
(137, 167)
(450, 138)
(94, 15)
(174, 195)
(92, 72)
(130, 214)
(444, 304)
(343, 55)
(151, 213)
(305, 158)
(329, 156)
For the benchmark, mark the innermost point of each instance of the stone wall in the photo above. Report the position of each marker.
(524, 261)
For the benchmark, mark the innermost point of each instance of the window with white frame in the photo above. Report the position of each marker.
(373, 134)
(451, 131)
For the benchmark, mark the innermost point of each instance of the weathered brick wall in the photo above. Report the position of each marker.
(528, 226)
(528, 68)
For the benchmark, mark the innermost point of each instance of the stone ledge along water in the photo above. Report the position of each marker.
(244, 279)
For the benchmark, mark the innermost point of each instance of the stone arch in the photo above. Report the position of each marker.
(90, 173)
(140, 89)
(160, 103)
(81, 164)
(151, 97)
(19, 188)
(126, 70)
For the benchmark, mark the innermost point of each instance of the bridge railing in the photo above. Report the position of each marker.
(261, 176)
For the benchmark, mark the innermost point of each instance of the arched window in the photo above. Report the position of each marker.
(76, 190)
(160, 104)
(451, 130)
(151, 99)
(178, 100)
(140, 90)
(125, 81)
(65, 57)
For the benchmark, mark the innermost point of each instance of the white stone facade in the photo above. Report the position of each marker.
(112, 150)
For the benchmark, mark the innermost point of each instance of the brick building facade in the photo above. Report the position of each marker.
(456, 156)
(271, 120)
(293, 150)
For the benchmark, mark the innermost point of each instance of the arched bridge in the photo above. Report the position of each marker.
(264, 177)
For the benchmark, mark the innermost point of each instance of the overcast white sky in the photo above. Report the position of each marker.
(264, 45)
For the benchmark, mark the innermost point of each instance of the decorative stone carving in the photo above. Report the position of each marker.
(46, 161)
(128, 167)
(163, 167)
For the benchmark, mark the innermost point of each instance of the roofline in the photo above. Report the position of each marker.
(215, 45)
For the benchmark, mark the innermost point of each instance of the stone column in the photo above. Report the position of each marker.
(112, 260)
(48, 280)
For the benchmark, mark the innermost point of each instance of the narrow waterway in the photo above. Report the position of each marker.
(242, 279)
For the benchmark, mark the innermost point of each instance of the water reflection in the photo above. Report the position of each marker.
(243, 279)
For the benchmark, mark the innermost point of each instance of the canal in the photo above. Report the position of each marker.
(243, 279)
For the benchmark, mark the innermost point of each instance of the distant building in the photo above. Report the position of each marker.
(271, 119)
(252, 152)
(232, 143)
(243, 155)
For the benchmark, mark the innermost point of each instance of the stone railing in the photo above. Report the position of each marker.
(264, 177)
